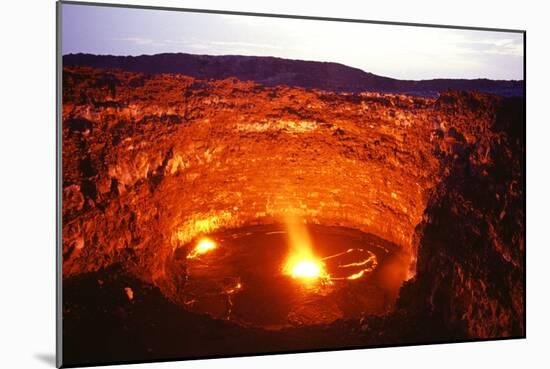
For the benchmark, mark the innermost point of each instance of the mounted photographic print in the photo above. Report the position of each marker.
(241, 184)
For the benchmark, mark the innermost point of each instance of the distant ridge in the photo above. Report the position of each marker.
(272, 71)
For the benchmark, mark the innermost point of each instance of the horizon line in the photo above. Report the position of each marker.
(301, 60)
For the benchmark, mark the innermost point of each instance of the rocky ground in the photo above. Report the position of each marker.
(152, 161)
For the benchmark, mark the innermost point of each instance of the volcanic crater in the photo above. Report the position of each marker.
(412, 207)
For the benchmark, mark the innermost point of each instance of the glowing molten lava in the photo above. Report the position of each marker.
(203, 246)
(308, 269)
(301, 263)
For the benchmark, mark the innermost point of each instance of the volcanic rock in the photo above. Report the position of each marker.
(152, 161)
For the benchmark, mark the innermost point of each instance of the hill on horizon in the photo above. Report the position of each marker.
(272, 71)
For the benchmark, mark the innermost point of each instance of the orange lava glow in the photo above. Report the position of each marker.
(356, 275)
(301, 263)
(234, 289)
(204, 246)
(307, 269)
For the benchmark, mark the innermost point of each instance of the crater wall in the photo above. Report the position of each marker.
(151, 162)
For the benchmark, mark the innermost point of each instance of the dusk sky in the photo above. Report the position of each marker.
(403, 52)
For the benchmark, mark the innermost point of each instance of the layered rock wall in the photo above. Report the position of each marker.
(152, 162)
